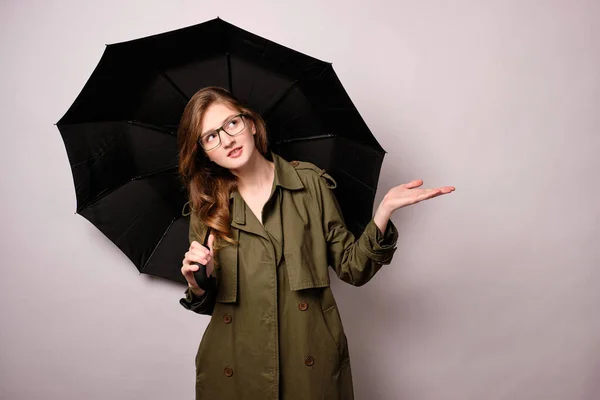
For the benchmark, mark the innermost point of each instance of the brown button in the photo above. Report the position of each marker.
(309, 361)
(228, 372)
(227, 318)
(302, 306)
(295, 163)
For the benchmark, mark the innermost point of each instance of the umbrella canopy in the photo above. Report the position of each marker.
(120, 133)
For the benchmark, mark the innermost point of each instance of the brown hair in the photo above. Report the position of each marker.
(209, 185)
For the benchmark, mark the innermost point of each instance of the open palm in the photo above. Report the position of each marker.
(408, 193)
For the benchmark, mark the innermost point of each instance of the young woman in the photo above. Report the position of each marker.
(275, 228)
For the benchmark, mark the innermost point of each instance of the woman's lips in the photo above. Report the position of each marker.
(235, 152)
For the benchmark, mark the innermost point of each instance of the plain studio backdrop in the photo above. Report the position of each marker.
(494, 290)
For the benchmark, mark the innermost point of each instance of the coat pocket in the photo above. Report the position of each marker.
(336, 330)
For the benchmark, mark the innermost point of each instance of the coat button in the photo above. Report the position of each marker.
(294, 163)
(302, 306)
(228, 372)
(227, 318)
(309, 361)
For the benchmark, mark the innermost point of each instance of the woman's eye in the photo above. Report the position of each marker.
(209, 138)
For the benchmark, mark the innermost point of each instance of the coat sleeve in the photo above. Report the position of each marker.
(354, 261)
(204, 304)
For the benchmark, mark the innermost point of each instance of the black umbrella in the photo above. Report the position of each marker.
(120, 133)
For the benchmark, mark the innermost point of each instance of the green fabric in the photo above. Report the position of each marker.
(263, 284)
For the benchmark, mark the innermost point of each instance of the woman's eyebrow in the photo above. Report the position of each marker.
(222, 123)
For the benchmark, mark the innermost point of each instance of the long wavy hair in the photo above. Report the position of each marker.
(210, 185)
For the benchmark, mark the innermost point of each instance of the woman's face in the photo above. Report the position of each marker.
(234, 151)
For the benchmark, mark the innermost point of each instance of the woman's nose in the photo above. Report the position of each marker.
(226, 140)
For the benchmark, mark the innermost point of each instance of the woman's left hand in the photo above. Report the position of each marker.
(407, 194)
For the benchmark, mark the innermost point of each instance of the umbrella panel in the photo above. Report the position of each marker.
(120, 131)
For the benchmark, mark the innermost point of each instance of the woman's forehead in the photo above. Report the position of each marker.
(215, 115)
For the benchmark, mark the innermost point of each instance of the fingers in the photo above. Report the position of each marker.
(201, 256)
(427, 193)
(211, 240)
(431, 193)
(197, 248)
(423, 194)
(414, 184)
(434, 193)
(419, 182)
(187, 271)
(442, 190)
(209, 244)
(197, 253)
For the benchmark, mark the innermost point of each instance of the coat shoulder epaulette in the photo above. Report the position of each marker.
(329, 181)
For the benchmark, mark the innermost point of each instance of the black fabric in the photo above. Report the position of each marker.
(120, 132)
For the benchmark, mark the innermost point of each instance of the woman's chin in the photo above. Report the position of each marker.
(240, 161)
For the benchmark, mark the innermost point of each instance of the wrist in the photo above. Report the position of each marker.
(384, 210)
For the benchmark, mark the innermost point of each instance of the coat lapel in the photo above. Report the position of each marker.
(242, 218)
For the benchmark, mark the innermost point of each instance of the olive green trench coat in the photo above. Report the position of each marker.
(275, 331)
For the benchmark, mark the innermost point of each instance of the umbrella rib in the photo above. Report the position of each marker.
(103, 194)
(229, 77)
(327, 67)
(289, 90)
(157, 128)
(279, 100)
(134, 122)
(317, 137)
(135, 178)
(356, 179)
(177, 88)
(158, 244)
(337, 168)
(98, 157)
(262, 56)
(329, 135)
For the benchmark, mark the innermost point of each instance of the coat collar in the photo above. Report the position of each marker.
(285, 177)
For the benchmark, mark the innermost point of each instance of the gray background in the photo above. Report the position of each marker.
(494, 290)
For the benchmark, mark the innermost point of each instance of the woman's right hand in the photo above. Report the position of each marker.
(200, 254)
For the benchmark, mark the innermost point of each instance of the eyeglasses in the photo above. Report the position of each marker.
(233, 127)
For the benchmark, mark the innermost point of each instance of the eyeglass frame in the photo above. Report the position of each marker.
(222, 128)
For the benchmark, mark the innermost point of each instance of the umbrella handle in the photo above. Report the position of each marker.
(204, 282)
